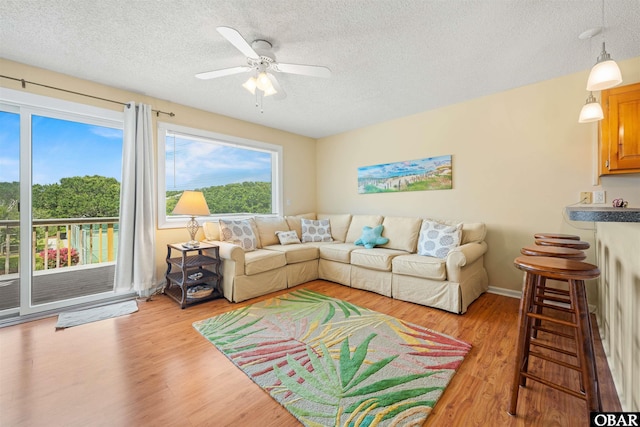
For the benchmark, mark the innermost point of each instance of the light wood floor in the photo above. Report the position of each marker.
(152, 368)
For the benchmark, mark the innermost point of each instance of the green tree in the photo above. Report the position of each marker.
(245, 197)
(77, 197)
(9, 197)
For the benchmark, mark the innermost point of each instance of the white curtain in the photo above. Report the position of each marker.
(135, 263)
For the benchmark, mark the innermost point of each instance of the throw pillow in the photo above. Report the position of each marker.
(316, 230)
(287, 237)
(438, 239)
(238, 232)
(371, 237)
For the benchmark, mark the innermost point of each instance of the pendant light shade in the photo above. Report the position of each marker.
(591, 111)
(605, 74)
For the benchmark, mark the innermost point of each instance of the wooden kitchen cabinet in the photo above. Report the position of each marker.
(620, 130)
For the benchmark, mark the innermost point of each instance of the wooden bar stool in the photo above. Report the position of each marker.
(556, 236)
(550, 296)
(565, 243)
(538, 270)
(553, 251)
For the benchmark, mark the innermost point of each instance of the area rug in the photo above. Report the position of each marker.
(329, 362)
(75, 318)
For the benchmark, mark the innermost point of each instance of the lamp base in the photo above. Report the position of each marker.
(191, 244)
(192, 228)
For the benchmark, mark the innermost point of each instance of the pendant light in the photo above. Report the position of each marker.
(591, 110)
(606, 73)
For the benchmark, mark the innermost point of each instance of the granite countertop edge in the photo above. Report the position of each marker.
(603, 214)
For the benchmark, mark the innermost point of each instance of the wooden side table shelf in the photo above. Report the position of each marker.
(189, 272)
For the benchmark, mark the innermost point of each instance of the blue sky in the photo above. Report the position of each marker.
(198, 164)
(63, 148)
(60, 149)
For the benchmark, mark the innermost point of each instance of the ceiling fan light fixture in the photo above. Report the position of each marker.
(605, 74)
(250, 85)
(263, 82)
(270, 91)
(591, 111)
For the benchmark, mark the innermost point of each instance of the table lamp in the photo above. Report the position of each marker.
(192, 203)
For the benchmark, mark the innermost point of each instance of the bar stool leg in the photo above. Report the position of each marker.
(524, 337)
(586, 353)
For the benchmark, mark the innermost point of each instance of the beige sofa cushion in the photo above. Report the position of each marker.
(359, 221)
(296, 253)
(402, 233)
(420, 266)
(267, 227)
(211, 230)
(339, 225)
(262, 260)
(339, 252)
(295, 222)
(473, 232)
(375, 258)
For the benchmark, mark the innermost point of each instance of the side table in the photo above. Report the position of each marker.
(188, 281)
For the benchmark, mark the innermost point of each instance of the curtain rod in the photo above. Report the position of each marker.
(24, 85)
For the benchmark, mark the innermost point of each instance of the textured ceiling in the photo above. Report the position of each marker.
(389, 58)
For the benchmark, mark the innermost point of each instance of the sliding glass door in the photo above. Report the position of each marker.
(9, 209)
(59, 204)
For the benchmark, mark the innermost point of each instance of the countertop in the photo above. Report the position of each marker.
(603, 214)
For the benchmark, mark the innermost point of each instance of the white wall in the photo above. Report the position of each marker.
(519, 157)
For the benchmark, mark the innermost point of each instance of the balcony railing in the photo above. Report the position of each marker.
(63, 242)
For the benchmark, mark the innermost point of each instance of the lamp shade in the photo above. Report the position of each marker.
(192, 203)
(604, 75)
(250, 85)
(591, 111)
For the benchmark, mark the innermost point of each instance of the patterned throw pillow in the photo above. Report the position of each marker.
(438, 239)
(287, 237)
(316, 230)
(238, 232)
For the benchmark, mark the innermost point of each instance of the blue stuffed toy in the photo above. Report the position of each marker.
(371, 237)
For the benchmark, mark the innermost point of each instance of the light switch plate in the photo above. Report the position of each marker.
(599, 196)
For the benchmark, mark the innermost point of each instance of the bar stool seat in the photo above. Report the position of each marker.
(553, 251)
(556, 236)
(565, 243)
(545, 295)
(537, 269)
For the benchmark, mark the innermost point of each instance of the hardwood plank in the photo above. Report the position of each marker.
(153, 368)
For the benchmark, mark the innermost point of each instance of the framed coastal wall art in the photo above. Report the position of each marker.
(432, 173)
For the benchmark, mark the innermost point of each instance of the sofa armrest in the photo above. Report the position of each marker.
(229, 251)
(461, 256)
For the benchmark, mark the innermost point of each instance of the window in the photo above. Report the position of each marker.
(237, 176)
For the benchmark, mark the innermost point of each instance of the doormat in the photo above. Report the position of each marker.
(330, 362)
(75, 318)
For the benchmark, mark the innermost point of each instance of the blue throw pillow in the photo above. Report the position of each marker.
(371, 237)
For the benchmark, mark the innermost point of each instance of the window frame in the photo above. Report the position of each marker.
(277, 186)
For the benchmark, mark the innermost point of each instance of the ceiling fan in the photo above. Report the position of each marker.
(261, 61)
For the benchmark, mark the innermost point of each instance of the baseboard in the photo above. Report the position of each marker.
(518, 294)
(505, 292)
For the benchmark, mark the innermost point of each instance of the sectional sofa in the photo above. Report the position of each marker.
(394, 269)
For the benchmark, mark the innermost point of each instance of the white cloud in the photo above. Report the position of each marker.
(106, 132)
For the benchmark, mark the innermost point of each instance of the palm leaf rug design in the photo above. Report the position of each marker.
(329, 362)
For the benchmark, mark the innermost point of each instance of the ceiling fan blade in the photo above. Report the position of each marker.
(305, 70)
(224, 72)
(238, 41)
(280, 93)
